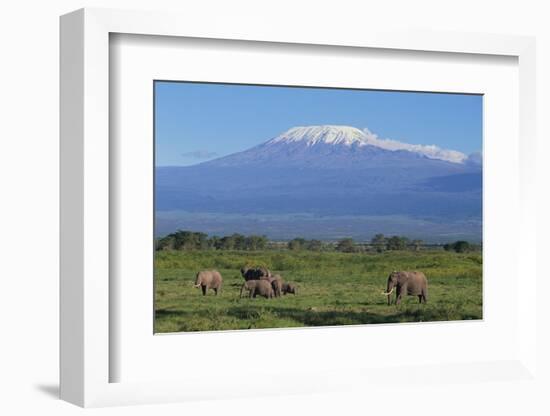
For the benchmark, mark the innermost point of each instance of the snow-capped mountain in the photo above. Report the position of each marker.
(351, 136)
(312, 135)
(338, 147)
(326, 172)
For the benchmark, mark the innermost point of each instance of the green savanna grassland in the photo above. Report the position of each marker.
(333, 288)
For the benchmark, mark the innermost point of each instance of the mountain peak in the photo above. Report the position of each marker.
(351, 136)
(328, 134)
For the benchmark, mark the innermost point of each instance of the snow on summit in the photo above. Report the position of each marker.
(348, 136)
(321, 134)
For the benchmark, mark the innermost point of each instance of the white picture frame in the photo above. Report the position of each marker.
(86, 167)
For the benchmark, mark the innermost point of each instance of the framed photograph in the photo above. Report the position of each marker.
(248, 207)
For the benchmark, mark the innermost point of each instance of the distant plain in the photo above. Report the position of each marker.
(322, 227)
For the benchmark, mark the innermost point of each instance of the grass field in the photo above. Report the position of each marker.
(333, 289)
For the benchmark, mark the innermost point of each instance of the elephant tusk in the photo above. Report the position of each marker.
(197, 285)
(388, 293)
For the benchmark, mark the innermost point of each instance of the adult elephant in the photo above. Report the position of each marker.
(407, 283)
(209, 279)
(255, 273)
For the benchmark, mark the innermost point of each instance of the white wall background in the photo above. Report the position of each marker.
(29, 184)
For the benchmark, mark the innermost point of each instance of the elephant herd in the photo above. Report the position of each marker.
(259, 281)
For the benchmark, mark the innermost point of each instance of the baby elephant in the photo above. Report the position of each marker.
(209, 279)
(257, 287)
(407, 283)
(288, 288)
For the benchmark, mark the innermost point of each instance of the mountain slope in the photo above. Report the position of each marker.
(336, 146)
(325, 171)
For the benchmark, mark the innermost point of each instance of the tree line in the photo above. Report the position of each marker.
(191, 240)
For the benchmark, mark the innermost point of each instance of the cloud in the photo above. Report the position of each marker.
(199, 154)
(475, 158)
(430, 151)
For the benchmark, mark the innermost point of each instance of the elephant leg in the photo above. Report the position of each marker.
(424, 296)
(419, 298)
(400, 291)
(216, 291)
(203, 290)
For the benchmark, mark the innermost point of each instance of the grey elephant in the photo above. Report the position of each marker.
(209, 279)
(257, 288)
(254, 273)
(288, 288)
(407, 283)
(276, 283)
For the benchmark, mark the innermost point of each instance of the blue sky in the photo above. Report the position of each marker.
(197, 122)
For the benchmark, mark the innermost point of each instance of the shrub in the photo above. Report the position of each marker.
(458, 246)
(346, 245)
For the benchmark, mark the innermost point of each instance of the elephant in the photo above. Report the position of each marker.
(407, 283)
(257, 287)
(288, 288)
(271, 277)
(254, 273)
(250, 273)
(209, 279)
(265, 271)
(276, 284)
